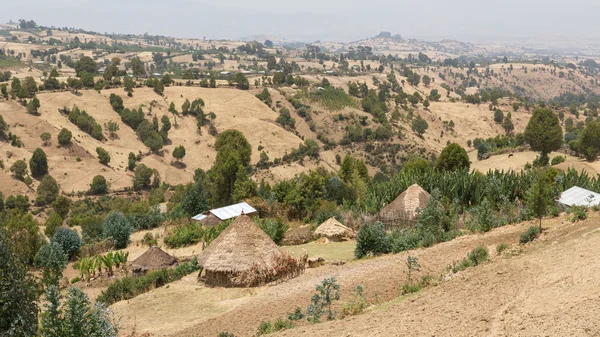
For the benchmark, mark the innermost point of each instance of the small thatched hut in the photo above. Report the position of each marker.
(244, 256)
(403, 210)
(332, 230)
(154, 258)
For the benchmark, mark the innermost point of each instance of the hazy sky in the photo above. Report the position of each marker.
(309, 20)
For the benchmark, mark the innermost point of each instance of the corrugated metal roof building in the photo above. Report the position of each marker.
(577, 196)
(228, 212)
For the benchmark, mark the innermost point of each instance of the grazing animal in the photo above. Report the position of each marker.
(511, 155)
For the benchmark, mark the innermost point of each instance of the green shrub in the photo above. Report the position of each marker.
(333, 99)
(149, 240)
(103, 156)
(69, 241)
(275, 228)
(321, 302)
(64, 137)
(371, 239)
(266, 328)
(53, 223)
(404, 240)
(131, 286)
(557, 160)
(47, 191)
(357, 304)
(296, 315)
(85, 122)
(579, 213)
(478, 255)
(184, 235)
(502, 247)
(146, 220)
(483, 218)
(53, 261)
(117, 226)
(99, 185)
(38, 164)
(531, 234)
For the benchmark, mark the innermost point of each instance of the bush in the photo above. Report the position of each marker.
(62, 206)
(275, 228)
(130, 287)
(266, 328)
(557, 160)
(69, 241)
(53, 260)
(99, 185)
(64, 137)
(502, 247)
(103, 156)
(53, 223)
(145, 221)
(357, 305)
(47, 191)
(531, 234)
(371, 239)
(404, 240)
(117, 227)
(478, 255)
(19, 169)
(579, 213)
(483, 218)
(85, 122)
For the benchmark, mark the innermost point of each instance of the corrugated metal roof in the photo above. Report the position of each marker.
(577, 196)
(232, 211)
(199, 217)
(228, 212)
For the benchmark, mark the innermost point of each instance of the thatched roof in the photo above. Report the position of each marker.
(332, 229)
(240, 247)
(406, 205)
(210, 220)
(153, 258)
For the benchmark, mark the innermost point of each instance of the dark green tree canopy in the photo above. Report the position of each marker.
(589, 141)
(453, 158)
(543, 132)
(38, 164)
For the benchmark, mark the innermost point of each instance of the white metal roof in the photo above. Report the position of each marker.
(232, 211)
(228, 212)
(577, 196)
(199, 217)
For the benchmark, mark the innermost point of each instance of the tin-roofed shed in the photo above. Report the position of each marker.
(577, 196)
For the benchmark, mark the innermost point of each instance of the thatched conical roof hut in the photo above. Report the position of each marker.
(244, 255)
(403, 210)
(332, 230)
(154, 258)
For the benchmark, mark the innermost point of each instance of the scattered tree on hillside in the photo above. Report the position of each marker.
(541, 195)
(544, 133)
(419, 125)
(233, 156)
(47, 191)
(507, 124)
(74, 83)
(98, 186)
(103, 156)
(64, 137)
(19, 169)
(112, 128)
(589, 141)
(498, 116)
(33, 106)
(179, 152)
(45, 137)
(453, 158)
(38, 164)
(137, 67)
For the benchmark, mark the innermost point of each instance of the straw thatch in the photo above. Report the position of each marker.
(243, 255)
(154, 258)
(332, 230)
(210, 220)
(404, 210)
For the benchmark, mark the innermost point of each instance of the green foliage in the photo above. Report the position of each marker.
(543, 131)
(502, 247)
(557, 160)
(17, 202)
(296, 315)
(589, 141)
(53, 261)
(47, 191)
(179, 152)
(38, 164)
(579, 213)
(357, 304)
(419, 125)
(76, 316)
(321, 302)
(474, 258)
(531, 234)
(103, 156)
(54, 222)
(130, 287)
(403, 240)
(453, 158)
(69, 241)
(333, 99)
(275, 228)
(483, 218)
(45, 137)
(233, 157)
(191, 233)
(19, 169)
(266, 328)
(265, 96)
(18, 294)
(285, 119)
(84, 122)
(434, 220)
(99, 185)
(117, 227)
(371, 240)
(540, 195)
(116, 102)
(143, 178)
(22, 228)
(64, 137)
(195, 200)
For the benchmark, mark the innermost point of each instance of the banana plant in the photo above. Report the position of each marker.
(109, 261)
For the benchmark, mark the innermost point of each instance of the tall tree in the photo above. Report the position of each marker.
(544, 133)
(38, 164)
(18, 295)
(233, 154)
(541, 195)
(453, 158)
